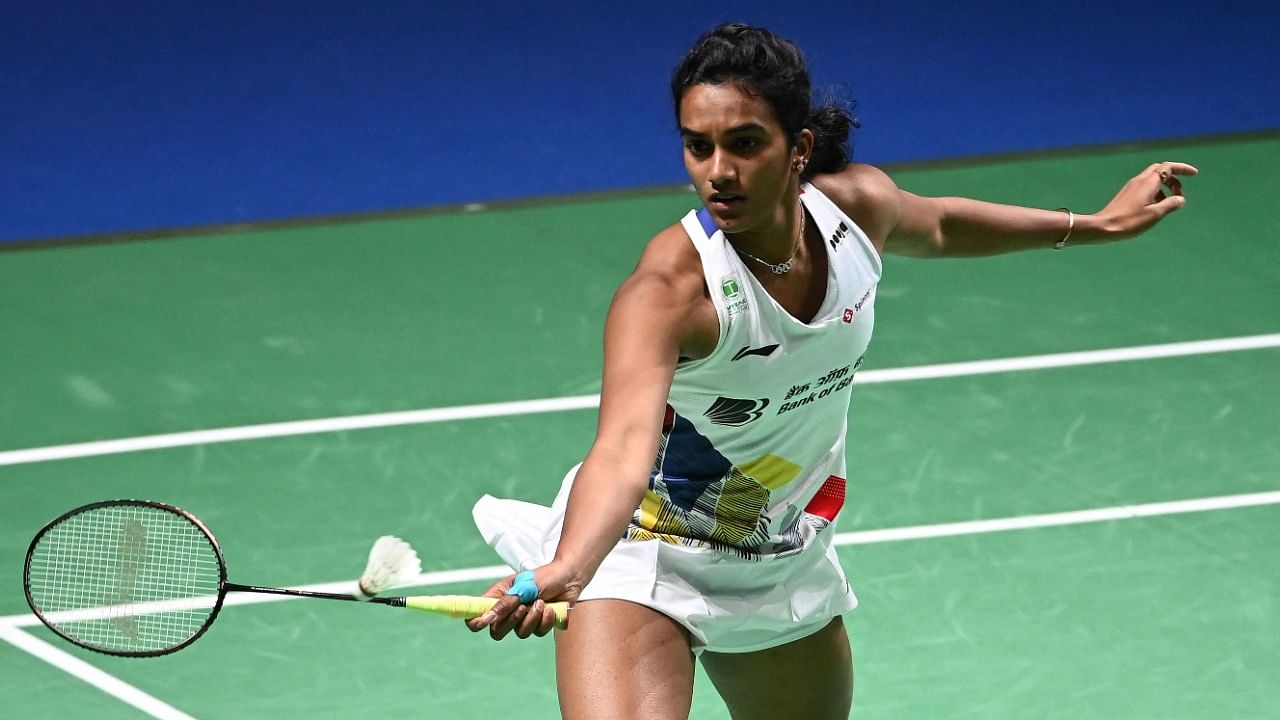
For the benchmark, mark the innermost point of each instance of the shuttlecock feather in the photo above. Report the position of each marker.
(392, 562)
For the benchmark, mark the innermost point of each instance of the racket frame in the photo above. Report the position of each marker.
(223, 585)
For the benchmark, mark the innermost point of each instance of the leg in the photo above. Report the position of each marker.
(618, 660)
(809, 678)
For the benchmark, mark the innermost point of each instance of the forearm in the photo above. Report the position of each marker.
(973, 228)
(604, 497)
(643, 338)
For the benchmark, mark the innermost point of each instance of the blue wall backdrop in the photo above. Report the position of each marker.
(131, 116)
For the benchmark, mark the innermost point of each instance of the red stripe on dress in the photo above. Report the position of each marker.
(829, 500)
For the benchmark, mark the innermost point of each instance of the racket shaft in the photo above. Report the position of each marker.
(467, 606)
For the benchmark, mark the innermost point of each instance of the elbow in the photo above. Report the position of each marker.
(627, 471)
(935, 244)
(925, 246)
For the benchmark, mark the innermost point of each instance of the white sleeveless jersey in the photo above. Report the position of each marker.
(751, 459)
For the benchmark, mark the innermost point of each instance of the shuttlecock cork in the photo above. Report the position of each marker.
(392, 562)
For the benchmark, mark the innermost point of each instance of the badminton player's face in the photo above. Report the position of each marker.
(736, 154)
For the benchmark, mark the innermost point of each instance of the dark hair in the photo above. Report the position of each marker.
(772, 67)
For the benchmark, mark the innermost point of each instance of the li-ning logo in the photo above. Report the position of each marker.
(762, 351)
(842, 232)
(736, 411)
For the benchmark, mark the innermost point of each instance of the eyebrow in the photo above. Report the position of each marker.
(745, 127)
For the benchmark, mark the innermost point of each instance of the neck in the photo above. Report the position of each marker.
(783, 240)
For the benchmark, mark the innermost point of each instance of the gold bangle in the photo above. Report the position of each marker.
(1071, 225)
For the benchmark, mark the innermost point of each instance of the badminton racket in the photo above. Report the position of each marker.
(137, 578)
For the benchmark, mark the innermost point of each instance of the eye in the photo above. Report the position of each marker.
(698, 148)
(746, 144)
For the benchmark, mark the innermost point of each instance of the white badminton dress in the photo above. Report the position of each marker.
(732, 539)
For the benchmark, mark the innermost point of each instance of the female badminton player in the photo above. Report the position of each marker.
(699, 525)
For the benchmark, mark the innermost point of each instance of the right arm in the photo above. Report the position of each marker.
(641, 347)
(660, 313)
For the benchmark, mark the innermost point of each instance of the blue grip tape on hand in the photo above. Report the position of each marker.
(524, 587)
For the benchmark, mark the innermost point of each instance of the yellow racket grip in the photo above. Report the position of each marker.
(469, 606)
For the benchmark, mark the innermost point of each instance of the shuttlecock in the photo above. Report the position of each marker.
(392, 562)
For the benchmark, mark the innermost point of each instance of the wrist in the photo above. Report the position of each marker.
(1093, 229)
(1071, 227)
(571, 571)
(1082, 229)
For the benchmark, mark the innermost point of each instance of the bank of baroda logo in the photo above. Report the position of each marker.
(736, 411)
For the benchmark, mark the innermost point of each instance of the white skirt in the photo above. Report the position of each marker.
(727, 603)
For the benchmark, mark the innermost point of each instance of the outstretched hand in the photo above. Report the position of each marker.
(554, 584)
(1143, 201)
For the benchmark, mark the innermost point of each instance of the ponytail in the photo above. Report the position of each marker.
(830, 125)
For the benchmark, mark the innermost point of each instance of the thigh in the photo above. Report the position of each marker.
(809, 678)
(619, 660)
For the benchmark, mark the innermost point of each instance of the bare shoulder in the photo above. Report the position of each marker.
(867, 195)
(667, 289)
(671, 262)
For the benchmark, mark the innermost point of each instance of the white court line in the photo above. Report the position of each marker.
(10, 626)
(1076, 517)
(79, 668)
(583, 402)
(857, 537)
(11, 632)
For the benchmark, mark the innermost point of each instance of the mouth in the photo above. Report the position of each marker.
(724, 201)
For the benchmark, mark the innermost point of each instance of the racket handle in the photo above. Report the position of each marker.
(468, 606)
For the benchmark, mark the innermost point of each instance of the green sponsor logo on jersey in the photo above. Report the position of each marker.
(730, 288)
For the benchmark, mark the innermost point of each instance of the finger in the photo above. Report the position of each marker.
(500, 611)
(525, 587)
(497, 590)
(532, 619)
(1178, 168)
(1167, 173)
(1152, 180)
(1168, 204)
(1173, 168)
(547, 621)
(501, 628)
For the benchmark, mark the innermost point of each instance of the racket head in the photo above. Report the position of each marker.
(132, 578)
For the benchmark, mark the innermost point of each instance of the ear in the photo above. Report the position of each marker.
(803, 148)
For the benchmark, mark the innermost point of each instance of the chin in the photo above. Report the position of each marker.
(733, 221)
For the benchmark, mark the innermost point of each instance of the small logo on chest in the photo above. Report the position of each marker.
(735, 300)
(736, 411)
(851, 311)
(762, 351)
(842, 232)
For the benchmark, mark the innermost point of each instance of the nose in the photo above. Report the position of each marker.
(722, 172)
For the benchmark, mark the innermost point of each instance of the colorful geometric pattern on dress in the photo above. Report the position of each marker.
(830, 498)
(697, 496)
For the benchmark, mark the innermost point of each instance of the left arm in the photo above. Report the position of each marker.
(903, 223)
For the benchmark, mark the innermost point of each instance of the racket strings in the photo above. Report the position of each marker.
(131, 578)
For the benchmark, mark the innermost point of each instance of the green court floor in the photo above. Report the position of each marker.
(1170, 616)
